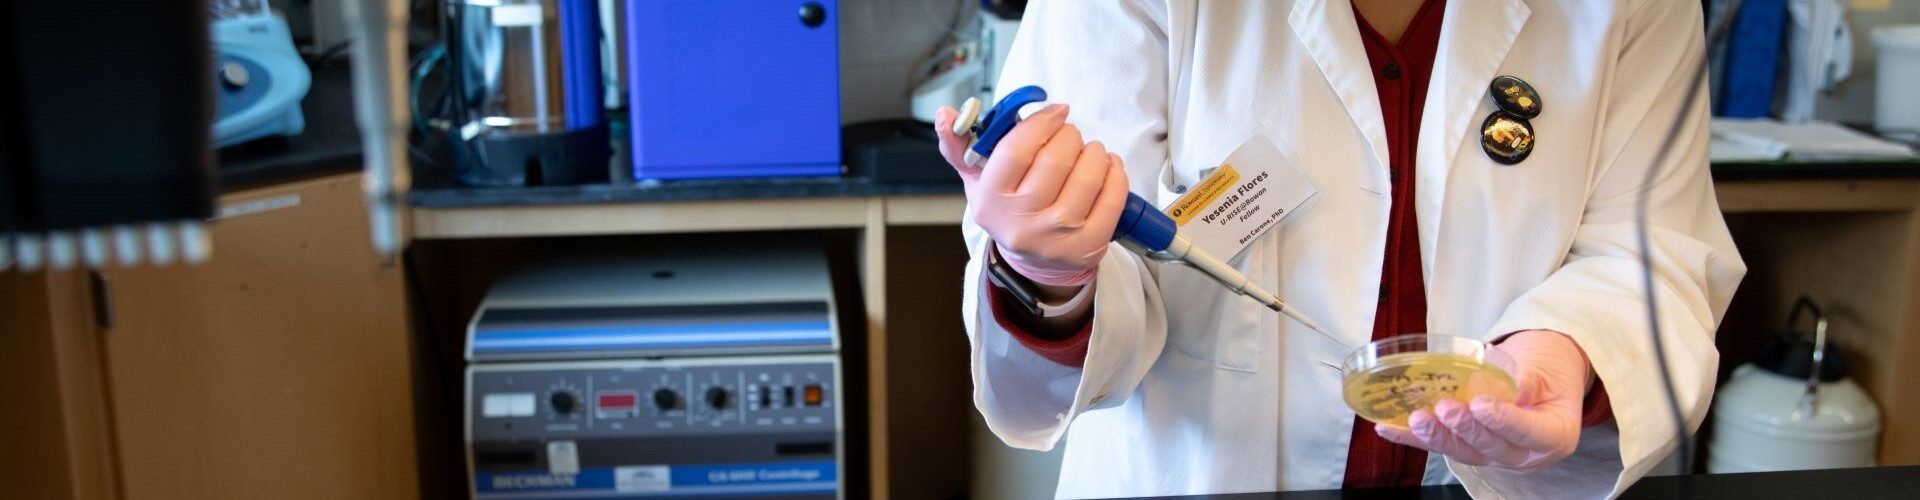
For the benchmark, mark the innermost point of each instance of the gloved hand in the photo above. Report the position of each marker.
(1541, 426)
(1049, 201)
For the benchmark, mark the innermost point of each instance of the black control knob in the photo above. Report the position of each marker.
(563, 402)
(813, 14)
(717, 398)
(665, 399)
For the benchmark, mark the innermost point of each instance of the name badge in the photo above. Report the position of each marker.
(1243, 199)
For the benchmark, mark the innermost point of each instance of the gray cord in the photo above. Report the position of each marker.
(1715, 31)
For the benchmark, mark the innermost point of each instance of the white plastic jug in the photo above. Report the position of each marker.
(1896, 112)
(1793, 409)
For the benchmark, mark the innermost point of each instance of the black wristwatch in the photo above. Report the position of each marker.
(1024, 290)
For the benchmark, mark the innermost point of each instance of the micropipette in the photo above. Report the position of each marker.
(1142, 227)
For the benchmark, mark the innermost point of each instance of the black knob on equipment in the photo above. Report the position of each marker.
(665, 399)
(812, 14)
(563, 402)
(717, 398)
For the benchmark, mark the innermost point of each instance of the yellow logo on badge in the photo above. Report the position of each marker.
(1203, 194)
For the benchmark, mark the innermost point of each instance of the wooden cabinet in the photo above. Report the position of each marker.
(279, 369)
(1853, 247)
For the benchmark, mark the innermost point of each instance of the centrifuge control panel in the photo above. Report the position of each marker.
(777, 394)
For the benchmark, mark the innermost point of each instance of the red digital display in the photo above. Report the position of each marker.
(617, 400)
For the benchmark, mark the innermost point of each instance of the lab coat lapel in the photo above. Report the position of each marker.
(1328, 31)
(1474, 39)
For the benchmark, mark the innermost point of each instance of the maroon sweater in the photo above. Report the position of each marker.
(1400, 74)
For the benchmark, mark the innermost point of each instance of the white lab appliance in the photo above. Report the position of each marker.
(688, 367)
(1792, 409)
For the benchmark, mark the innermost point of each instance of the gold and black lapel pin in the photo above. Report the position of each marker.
(1507, 135)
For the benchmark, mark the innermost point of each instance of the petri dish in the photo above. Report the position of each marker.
(1389, 379)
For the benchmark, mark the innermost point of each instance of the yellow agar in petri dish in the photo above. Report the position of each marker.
(1398, 384)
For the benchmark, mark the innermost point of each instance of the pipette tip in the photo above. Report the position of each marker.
(1273, 302)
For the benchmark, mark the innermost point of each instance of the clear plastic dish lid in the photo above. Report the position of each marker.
(1389, 379)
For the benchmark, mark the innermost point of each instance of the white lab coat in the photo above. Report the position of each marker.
(1187, 389)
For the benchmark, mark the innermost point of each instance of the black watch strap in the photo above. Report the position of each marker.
(1023, 290)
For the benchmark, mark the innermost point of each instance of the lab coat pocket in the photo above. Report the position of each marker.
(1163, 183)
(1207, 322)
(1204, 321)
(1170, 182)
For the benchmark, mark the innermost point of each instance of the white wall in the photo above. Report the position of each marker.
(879, 41)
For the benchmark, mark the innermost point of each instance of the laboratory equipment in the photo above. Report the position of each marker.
(696, 366)
(1389, 379)
(961, 82)
(527, 85)
(980, 59)
(894, 151)
(1793, 407)
(1142, 227)
(259, 79)
(1896, 107)
(999, 22)
(105, 134)
(733, 89)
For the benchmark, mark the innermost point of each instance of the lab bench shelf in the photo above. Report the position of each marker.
(444, 196)
(1831, 170)
(671, 191)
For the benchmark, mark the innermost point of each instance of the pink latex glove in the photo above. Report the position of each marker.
(1541, 426)
(1049, 201)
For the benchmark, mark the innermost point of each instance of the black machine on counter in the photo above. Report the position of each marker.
(526, 91)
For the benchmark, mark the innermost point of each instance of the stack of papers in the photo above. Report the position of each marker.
(1741, 139)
